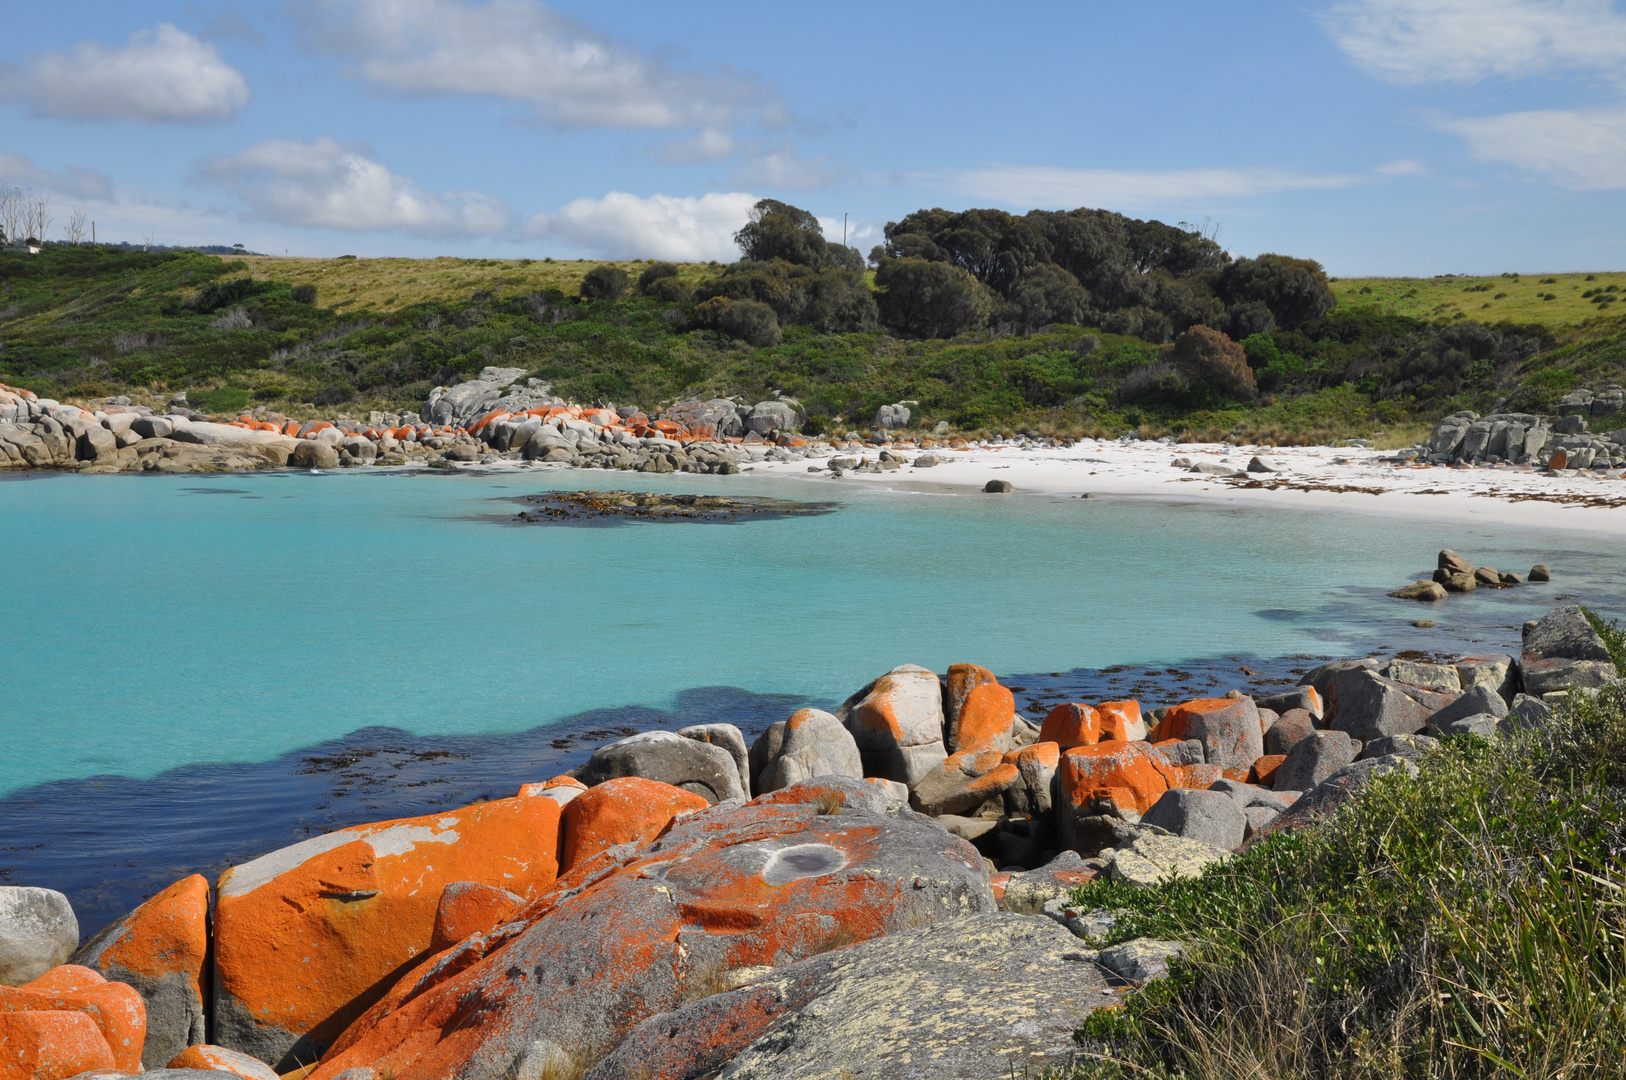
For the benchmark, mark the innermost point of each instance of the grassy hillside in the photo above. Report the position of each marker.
(1395, 354)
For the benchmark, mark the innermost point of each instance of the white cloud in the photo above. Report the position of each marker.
(1030, 186)
(709, 144)
(1584, 150)
(622, 226)
(164, 75)
(72, 182)
(328, 185)
(782, 168)
(520, 50)
(1411, 42)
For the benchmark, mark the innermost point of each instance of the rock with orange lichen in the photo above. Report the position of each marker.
(1121, 721)
(1228, 728)
(983, 997)
(897, 722)
(1071, 724)
(627, 810)
(561, 789)
(114, 1010)
(306, 938)
(810, 743)
(987, 717)
(467, 908)
(722, 890)
(160, 949)
(1107, 780)
(50, 1045)
(961, 680)
(964, 782)
(220, 1059)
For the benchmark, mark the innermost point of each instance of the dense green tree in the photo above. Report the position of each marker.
(920, 298)
(1048, 294)
(778, 230)
(1295, 290)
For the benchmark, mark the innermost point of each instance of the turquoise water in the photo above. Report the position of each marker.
(157, 622)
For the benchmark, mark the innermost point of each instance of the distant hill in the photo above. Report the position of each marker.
(323, 336)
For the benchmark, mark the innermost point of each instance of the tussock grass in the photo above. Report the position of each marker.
(1466, 925)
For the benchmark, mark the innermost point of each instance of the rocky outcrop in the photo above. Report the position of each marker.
(973, 997)
(494, 389)
(628, 810)
(161, 949)
(1525, 439)
(723, 890)
(38, 931)
(1563, 652)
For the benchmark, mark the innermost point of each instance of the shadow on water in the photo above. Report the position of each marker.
(110, 842)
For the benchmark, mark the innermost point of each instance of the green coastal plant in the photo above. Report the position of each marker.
(1470, 923)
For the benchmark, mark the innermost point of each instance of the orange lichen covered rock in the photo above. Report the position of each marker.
(1071, 724)
(467, 908)
(51, 1045)
(306, 938)
(723, 889)
(561, 789)
(1109, 777)
(962, 679)
(219, 1059)
(115, 1010)
(986, 718)
(1228, 728)
(897, 722)
(1121, 721)
(160, 949)
(1263, 772)
(626, 810)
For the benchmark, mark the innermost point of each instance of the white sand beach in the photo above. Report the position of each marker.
(1311, 478)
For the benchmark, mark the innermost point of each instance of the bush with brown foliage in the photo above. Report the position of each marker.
(1207, 357)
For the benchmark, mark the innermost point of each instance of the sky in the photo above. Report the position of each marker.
(1380, 137)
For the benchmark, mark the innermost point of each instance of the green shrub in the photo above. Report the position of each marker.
(303, 294)
(604, 283)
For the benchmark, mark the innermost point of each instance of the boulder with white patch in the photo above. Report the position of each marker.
(309, 936)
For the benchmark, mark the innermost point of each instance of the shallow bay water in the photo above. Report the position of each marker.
(201, 668)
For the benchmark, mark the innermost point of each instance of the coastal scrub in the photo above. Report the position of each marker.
(1468, 923)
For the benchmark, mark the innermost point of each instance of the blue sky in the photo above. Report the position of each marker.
(1379, 136)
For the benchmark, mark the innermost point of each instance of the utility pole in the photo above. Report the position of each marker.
(844, 229)
(93, 233)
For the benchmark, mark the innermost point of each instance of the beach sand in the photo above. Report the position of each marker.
(1310, 478)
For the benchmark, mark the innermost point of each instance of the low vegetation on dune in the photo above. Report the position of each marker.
(1470, 923)
(1082, 322)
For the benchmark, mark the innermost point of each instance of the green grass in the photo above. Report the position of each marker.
(1518, 298)
(1470, 923)
(80, 324)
